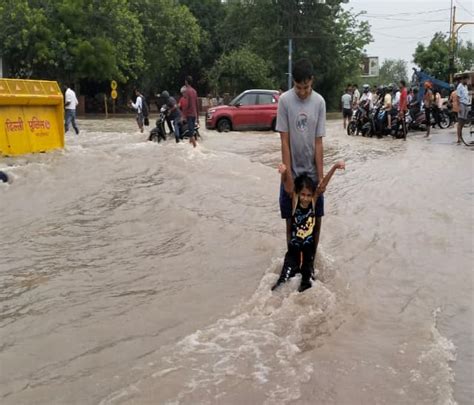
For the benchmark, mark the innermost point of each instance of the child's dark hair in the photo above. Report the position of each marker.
(303, 71)
(304, 181)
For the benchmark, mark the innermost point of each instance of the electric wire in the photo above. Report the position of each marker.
(464, 8)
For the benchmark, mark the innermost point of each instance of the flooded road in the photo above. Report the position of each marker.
(140, 273)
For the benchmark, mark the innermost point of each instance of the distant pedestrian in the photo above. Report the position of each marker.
(70, 104)
(191, 111)
(437, 107)
(464, 103)
(346, 105)
(138, 105)
(355, 95)
(403, 107)
(453, 101)
(428, 103)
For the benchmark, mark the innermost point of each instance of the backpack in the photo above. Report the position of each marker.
(145, 109)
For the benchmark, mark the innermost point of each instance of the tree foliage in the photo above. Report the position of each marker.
(239, 70)
(227, 45)
(392, 71)
(71, 39)
(434, 58)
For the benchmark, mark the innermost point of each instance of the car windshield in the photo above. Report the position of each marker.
(235, 99)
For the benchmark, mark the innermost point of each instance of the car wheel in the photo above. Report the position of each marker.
(224, 125)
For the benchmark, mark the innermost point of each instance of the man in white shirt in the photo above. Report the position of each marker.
(464, 103)
(70, 103)
(346, 104)
(138, 105)
(367, 96)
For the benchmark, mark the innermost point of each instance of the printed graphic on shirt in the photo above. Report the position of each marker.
(302, 121)
(302, 226)
(305, 229)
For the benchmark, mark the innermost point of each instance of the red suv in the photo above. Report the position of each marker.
(252, 109)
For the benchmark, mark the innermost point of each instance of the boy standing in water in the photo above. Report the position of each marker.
(301, 246)
(301, 121)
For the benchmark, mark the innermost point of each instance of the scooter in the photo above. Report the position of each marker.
(158, 133)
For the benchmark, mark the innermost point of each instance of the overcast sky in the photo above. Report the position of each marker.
(398, 26)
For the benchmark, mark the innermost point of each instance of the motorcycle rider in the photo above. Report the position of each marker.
(366, 98)
(172, 112)
(387, 106)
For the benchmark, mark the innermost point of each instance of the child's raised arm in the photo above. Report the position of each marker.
(283, 171)
(341, 165)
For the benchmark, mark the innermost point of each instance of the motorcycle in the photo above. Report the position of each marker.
(158, 133)
(378, 123)
(360, 117)
(417, 118)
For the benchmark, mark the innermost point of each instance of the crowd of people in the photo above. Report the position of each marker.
(186, 109)
(391, 99)
(396, 101)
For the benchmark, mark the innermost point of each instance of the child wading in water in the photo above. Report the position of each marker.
(301, 247)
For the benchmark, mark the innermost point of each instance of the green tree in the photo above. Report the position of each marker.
(465, 56)
(71, 39)
(172, 36)
(24, 38)
(331, 37)
(239, 70)
(434, 58)
(392, 71)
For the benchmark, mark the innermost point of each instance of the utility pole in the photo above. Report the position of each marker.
(455, 27)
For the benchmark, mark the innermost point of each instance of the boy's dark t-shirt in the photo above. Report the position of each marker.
(302, 227)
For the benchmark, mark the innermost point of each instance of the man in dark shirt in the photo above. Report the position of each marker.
(173, 113)
(191, 109)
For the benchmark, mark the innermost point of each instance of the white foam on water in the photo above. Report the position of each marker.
(434, 366)
(260, 350)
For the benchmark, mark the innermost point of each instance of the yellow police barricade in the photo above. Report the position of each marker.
(31, 116)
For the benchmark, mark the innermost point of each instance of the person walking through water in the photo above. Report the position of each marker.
(301, 121)
(70, 104)
(138, 105)
(300, 255)
(191, 109)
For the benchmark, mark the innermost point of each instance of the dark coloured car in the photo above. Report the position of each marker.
(252, 109)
